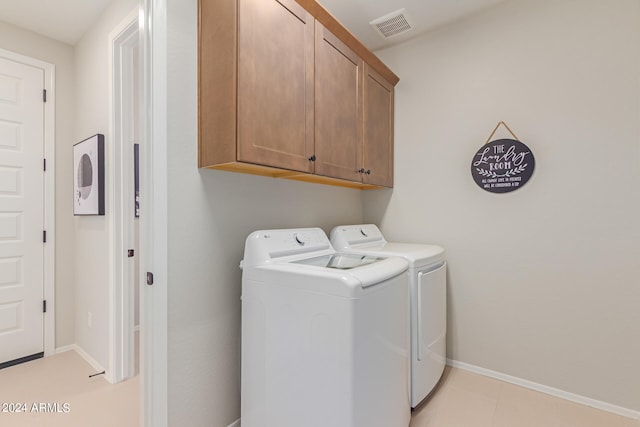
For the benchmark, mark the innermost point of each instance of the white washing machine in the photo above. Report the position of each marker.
(324, 335)
(428, 295)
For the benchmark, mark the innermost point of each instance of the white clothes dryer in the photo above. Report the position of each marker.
(428, 299)
(324, 335)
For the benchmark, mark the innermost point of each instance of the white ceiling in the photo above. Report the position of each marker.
(424, 15)
(62, 20)
(68, 20)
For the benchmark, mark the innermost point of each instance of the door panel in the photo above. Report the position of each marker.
(378, 130)
(429, 312)
(338, 108)
(21, 210)
(275, 84)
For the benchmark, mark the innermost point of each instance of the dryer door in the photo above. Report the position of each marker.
(429, 307)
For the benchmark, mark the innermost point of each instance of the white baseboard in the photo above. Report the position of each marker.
(236, 423)
(90, 360)
(629, 413)
(64, 349)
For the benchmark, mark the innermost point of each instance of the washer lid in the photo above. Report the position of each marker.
(350, 283)
(340, 261)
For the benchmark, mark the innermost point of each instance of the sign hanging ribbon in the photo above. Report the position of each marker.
(496, 128)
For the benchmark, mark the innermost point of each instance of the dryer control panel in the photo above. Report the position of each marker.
(345, 237)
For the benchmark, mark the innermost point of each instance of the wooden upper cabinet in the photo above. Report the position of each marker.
(284, 90)
(217, 82)
(275, 84)
(378, 129)
(338, 108)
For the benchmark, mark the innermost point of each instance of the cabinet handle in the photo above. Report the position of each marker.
(312, 158)
(361, 170)
(368, 172)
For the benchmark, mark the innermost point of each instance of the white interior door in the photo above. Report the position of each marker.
(21, 210)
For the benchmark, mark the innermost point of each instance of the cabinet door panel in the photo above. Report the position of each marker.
(378, 130)
(338, 132)
(275, 84)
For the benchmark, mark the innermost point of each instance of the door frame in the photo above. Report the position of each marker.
(121, 207)
(153, 217)
(49, 223)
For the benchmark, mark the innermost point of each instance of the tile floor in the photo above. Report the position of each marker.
(62, 382)
(464, 399)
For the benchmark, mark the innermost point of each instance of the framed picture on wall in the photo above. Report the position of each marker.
(88, 176)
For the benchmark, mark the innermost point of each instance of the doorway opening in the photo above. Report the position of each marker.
(125, 269)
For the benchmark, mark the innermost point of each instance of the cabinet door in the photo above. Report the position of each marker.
(275, 84)
(338, 133)
(378, 130)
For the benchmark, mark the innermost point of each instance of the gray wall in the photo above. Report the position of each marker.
(543, 281)
(210, 215)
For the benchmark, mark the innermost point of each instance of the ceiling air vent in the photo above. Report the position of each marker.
(392, 24)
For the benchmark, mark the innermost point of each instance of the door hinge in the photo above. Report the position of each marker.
(44, 164)
(149, 278)
(44, 236)
(44, 306)
(44, 95)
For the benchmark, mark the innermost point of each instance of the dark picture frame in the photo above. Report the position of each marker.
(88, 176)
(136, 179)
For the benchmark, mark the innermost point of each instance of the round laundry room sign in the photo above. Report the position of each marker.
(502, 165)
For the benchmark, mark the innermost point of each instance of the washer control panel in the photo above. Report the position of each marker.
(265, 245)
(299, 240)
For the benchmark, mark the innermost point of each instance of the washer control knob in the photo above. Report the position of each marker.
(300, 242)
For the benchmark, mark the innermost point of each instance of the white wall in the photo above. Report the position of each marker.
(92, 232)
(36, 46)
(543, 281)
(210, 214)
